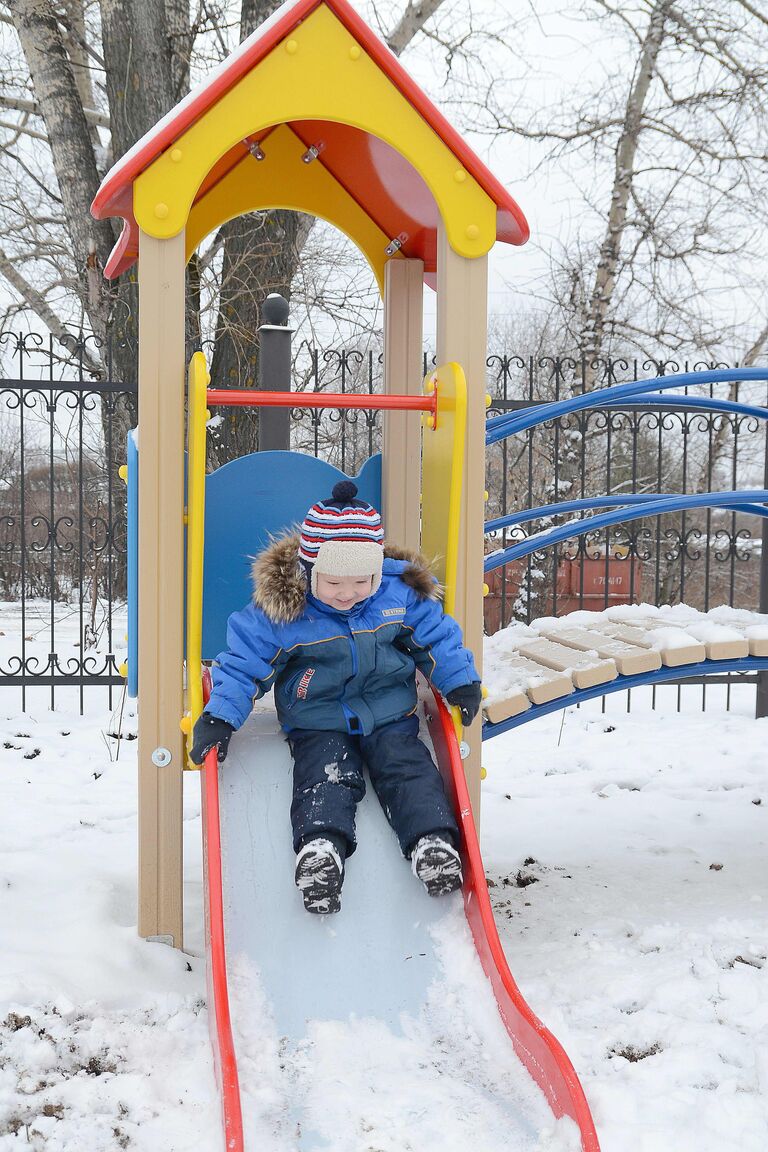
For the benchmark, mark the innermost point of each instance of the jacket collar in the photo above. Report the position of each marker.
(280, 585)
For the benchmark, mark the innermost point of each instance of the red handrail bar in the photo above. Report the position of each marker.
(252, 397)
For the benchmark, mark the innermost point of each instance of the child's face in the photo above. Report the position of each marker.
(343, 592)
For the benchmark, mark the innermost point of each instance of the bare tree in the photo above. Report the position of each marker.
(665, 139)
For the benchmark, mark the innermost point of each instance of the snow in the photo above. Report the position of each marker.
(626, 855)
(92, 1018)
(442, 1082)
(709, 632)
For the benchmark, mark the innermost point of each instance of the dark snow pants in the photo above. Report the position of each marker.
(328, 783)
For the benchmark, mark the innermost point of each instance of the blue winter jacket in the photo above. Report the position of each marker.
(340, 671)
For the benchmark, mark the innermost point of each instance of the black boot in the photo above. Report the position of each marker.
(437, 864)
(320, 873)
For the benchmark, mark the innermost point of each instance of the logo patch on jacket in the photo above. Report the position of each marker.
(393, 611)
(301, 691)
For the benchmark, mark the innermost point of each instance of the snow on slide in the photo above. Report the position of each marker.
(373, 1030)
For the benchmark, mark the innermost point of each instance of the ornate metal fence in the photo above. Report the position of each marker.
(62, 520)
(62, 550)
(704, 559)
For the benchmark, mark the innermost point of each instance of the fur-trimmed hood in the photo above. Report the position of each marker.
(280, 586)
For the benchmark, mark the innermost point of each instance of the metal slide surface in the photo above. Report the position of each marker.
(379, 1015)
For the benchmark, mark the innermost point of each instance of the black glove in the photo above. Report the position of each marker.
(467, 698)
(208, 732)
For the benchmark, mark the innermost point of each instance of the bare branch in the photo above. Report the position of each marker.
(758, 347)
(411, 23)
(19, 104)
(40, 306)
(753, 11)
(21, 129)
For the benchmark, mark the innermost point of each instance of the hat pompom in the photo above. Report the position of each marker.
(344, 490)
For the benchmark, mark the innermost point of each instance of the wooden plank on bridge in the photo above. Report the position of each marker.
(539, 683)
(501, 708)
(585, 668)
(673, 644)
(720, 641)
(630, 659)
(757, 639)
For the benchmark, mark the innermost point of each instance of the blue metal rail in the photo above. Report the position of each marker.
(749, 500)
(500, 427)
(626, 499)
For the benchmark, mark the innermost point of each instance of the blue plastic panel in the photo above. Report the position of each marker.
(246, 502)
(132, 531)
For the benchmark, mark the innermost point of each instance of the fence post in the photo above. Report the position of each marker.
(761, 704)
(275, 372)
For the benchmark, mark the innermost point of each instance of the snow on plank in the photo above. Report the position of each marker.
(630, 659)
(753, 626)
(586, 669)
(514, 676)
(674, 645)
(720, 641)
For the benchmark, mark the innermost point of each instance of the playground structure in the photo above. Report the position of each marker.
(313, 113)
(357, 968)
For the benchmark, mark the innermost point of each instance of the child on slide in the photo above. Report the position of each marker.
(339, 623)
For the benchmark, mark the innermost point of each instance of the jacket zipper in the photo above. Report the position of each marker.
(348, 713)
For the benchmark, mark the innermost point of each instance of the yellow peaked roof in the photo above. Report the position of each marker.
(311, 112)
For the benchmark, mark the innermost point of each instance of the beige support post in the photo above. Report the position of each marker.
(403, 372)
(462, 335)
(161, 585)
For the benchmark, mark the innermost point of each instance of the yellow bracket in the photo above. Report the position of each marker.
(442, 476)
(199, 380)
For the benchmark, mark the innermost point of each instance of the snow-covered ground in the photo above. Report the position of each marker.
(627, 857)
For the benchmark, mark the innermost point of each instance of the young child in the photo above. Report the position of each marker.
(339, 624)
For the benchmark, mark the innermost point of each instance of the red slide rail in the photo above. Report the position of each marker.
(219, 1021)
(536, 1047)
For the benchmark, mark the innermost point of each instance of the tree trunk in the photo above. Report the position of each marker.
(137, 58)
(72, 148)
(593, 333)
(260, 256)
(179, 45)
(69, 135)
(410, 23)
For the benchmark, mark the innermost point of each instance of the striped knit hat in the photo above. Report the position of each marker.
(342, 537)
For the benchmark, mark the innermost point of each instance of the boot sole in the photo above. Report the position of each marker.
(320, 885)
(439, 872)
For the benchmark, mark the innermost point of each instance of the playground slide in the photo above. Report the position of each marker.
(377, 1016)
